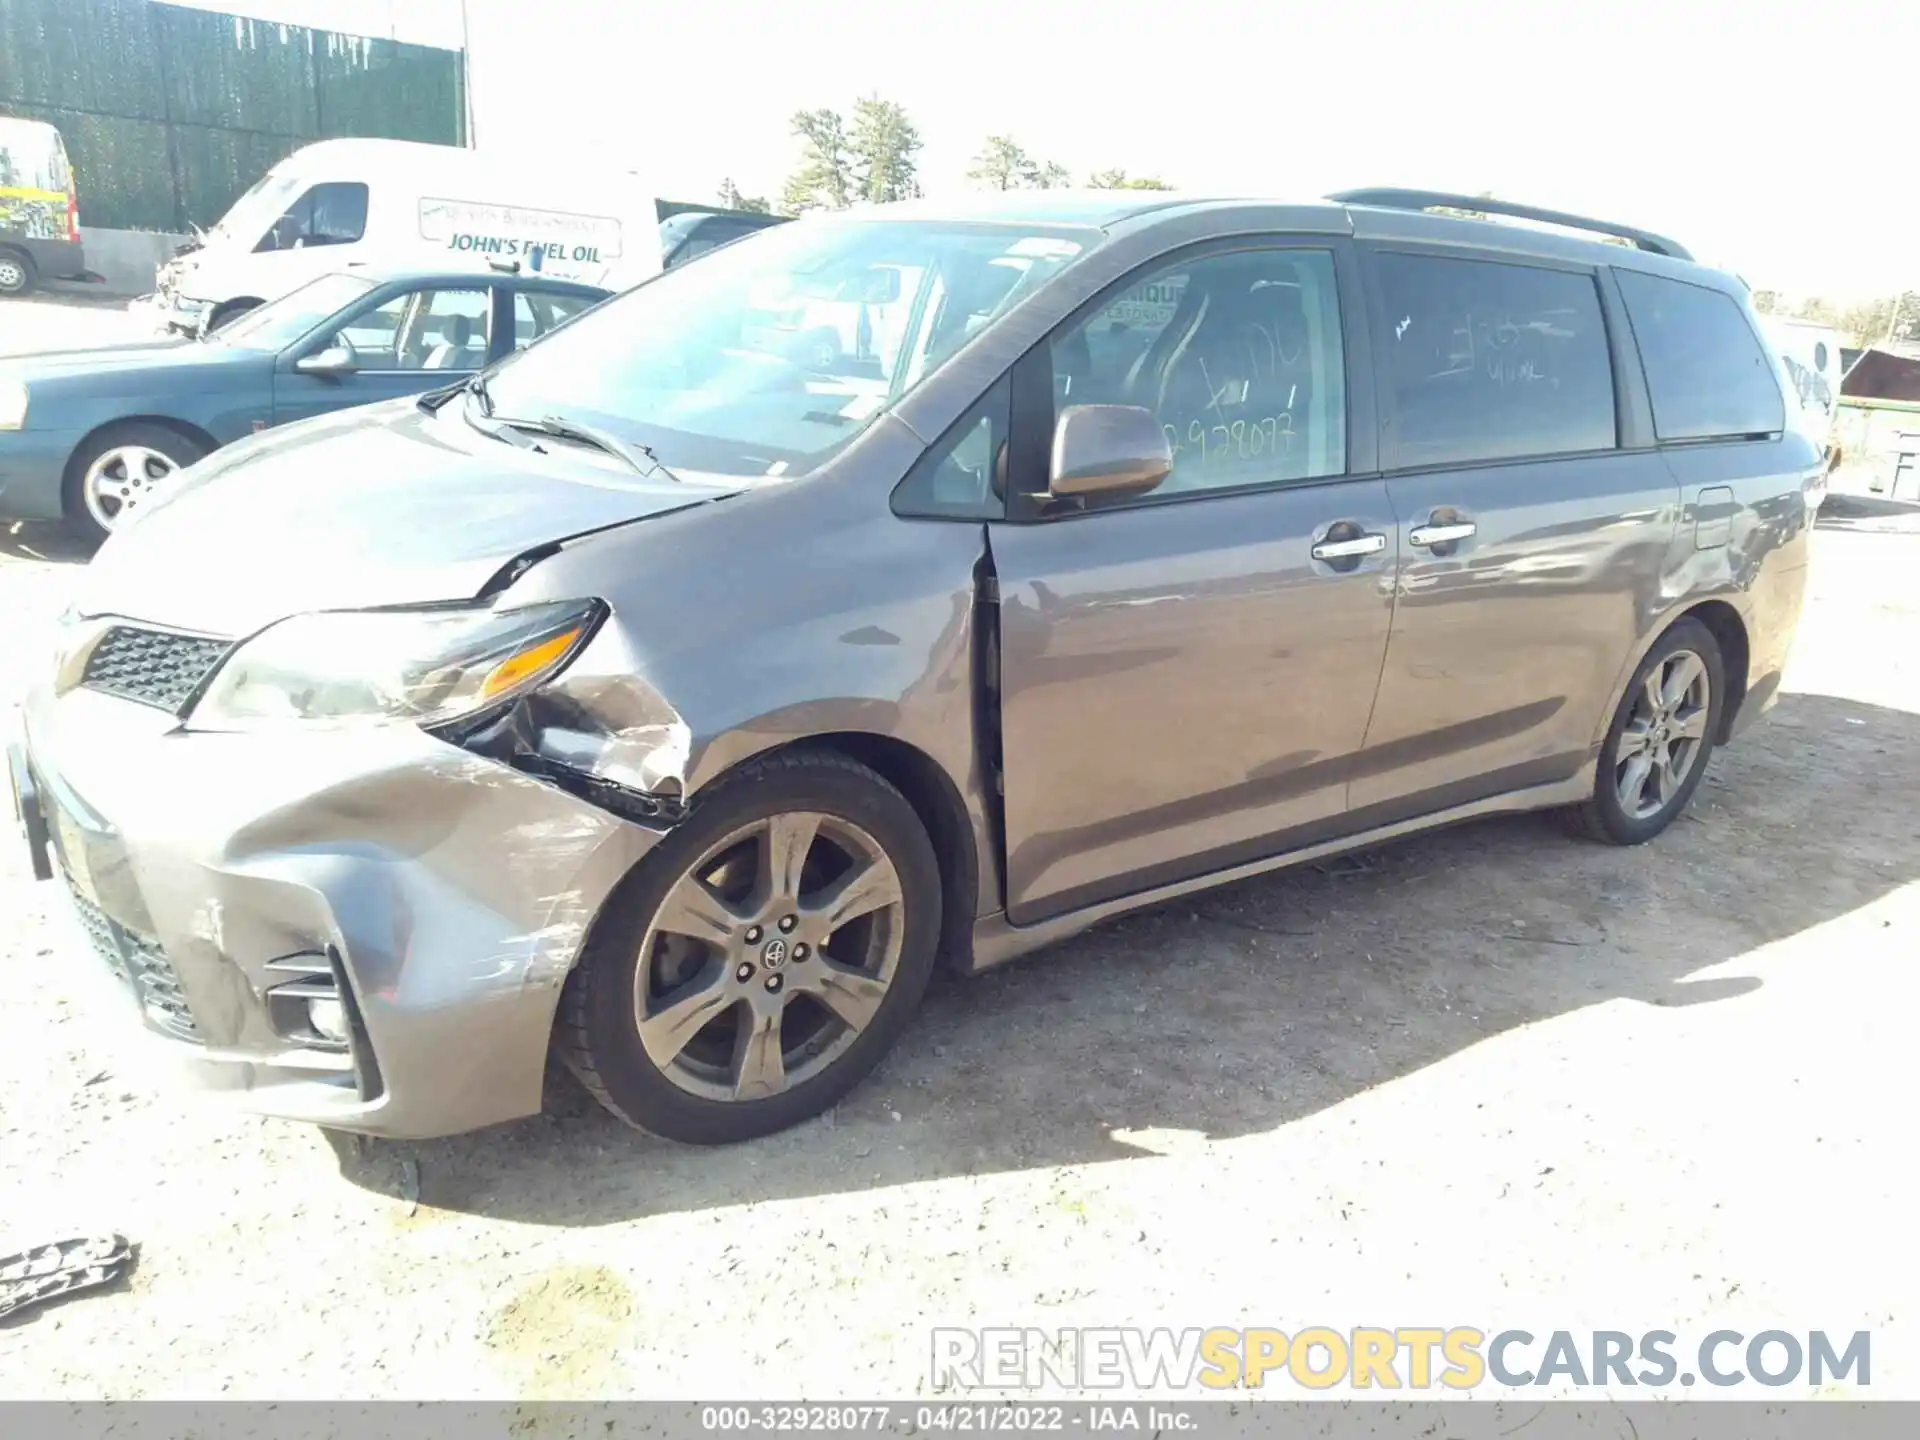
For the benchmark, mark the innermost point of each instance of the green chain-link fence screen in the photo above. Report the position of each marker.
(170, 113)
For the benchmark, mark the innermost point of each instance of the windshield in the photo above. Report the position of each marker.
(259, 207)
(283, 321)
(772, 353)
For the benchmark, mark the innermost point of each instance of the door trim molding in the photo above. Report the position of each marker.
(1531, 785)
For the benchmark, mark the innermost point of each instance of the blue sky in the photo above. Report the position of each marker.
(1721, 125)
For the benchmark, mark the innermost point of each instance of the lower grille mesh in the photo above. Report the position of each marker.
(140, 962)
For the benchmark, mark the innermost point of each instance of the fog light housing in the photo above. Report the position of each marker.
(328, 1017)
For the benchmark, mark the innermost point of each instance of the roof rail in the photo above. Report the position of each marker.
(1429, 199)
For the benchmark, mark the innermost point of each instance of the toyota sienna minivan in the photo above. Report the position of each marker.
(661, 699)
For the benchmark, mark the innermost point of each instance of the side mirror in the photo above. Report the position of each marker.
(1108, 450)
(334, 360)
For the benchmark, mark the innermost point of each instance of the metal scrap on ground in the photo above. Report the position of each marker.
(48, 1272)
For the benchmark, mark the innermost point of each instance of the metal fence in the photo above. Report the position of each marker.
(170, 113)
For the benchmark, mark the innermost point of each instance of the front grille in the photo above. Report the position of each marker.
(141, 963)
(154, 667)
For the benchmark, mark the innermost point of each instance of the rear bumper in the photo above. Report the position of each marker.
(33, 467)
(207, 873)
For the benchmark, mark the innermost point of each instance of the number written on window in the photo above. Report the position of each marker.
(1488, 361)
(1238, 355)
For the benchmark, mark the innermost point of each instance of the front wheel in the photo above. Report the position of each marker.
(762, 959)
(1662, 735)
(119, 470)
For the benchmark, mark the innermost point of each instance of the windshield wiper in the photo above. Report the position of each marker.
(640, 457)
(475, 386)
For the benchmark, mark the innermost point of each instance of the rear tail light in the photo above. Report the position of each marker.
(73, 215)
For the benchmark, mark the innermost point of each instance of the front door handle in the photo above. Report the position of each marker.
(1429, 535)
(1350, 549)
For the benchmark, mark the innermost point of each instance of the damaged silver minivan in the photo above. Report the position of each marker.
(678, 697)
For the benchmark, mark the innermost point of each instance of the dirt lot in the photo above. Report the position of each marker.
(1490, 1077)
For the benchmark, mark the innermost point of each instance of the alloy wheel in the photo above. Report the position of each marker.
(769, 956)
(121, 479)
(1664, 735)
(13, 276)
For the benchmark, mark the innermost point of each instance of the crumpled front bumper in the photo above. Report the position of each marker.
(169, 310)
(450, 893)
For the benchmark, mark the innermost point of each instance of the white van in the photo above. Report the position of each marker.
(1812, 355)
(39, 208)
(338, 203)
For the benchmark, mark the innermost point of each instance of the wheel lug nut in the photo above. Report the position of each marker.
(773, 984)
(800, 951)
(753, 934)
(743, 974)
(789, 922)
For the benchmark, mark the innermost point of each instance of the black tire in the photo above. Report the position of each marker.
(229, 311)
(181, 449)
(1605, 816)
(17, 273)
(597, 1034)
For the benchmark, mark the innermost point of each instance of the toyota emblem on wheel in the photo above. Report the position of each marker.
(775, 955)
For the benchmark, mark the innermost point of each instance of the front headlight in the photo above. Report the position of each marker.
(13, 404)
(422, 667)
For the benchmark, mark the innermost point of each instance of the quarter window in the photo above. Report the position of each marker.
(1238, 355)
(1487, 361)
(1707, 374)
(963, 477)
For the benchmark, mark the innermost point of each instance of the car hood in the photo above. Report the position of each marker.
(140, 355)
(385, 505)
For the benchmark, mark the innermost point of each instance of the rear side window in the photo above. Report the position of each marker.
(535, 312)
(1707, 373)
(1485, 360)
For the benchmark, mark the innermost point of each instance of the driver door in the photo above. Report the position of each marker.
(404, 342)
(1186, 675)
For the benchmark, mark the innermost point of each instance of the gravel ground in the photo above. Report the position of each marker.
(1489, 1077)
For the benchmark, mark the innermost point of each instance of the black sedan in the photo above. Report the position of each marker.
(86, 435)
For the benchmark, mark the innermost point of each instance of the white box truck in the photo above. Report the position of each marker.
(337, 203)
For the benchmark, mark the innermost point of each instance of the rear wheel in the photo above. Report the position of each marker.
(16, 272)
(759, 962)
(1657, 749)
(120, 469)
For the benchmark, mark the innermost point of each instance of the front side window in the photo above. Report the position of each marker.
(1707, 374)
(1239, 357)
(1485, 360)
(281, 322)
(421, 330)
(331, 214)
(766, 359)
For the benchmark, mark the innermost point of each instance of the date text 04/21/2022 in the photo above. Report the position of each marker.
(964, 1417)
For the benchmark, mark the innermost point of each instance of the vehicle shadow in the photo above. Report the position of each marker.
(48, 543)
(1241, 1010)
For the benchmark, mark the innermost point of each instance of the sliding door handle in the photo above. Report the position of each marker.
(1429, 535)
(1351, 549)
